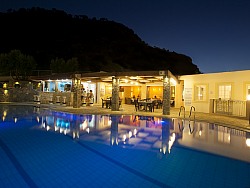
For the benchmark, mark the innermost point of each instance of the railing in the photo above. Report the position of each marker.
(182, 108)
(181, 122)
(191, 127)
(230, 107)
(192, 109)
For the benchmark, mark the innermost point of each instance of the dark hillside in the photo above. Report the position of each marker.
(98, 44)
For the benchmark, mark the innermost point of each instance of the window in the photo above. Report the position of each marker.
(248, 92)
(200, 92)
(225, 92)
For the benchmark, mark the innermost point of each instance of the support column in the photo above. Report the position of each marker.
(166, 94)
(144, 92)
(115, 94)
(76, 84)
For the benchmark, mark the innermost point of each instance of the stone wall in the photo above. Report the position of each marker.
(25, 94)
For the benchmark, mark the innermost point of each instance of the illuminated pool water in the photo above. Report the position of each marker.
(44, 148)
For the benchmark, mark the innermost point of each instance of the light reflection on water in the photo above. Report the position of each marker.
(139, 132)
(151, 133)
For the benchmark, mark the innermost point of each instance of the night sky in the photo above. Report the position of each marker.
(214, 33)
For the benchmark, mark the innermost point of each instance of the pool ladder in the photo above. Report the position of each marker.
(181, 122)
(192, 111)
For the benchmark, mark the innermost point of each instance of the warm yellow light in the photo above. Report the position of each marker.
(248, 97)
(248, 142)
(172, 81)
(109, 122)
(4, 113)
(5, 92)
(4, 85)
(16, 82)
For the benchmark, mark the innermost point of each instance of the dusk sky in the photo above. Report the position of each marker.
(214, 33)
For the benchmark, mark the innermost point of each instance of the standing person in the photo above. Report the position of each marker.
(91, 98)
(84, 97)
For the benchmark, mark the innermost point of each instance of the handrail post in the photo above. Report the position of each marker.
(190, 113)
(182, 107)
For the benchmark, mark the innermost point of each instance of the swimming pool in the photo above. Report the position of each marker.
(44, 148)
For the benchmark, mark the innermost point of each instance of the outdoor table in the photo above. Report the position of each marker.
(145, 105)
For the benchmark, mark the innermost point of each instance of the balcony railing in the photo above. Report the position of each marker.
(230, 107)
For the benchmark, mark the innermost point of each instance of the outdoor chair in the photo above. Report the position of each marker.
(151, 106)
(103, 103)
(158, 104)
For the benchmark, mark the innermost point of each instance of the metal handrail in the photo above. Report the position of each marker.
(181, 124)
(192, 109)
(182, 107)
(190, 113)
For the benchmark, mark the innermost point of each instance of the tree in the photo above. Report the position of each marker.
(59, 65)
(19, 66)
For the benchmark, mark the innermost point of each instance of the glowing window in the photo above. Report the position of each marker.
(200, 92)
(225, 92)
(248, 92)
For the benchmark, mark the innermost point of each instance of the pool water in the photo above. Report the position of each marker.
(44, 148)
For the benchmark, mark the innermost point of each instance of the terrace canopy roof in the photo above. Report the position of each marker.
(139, 76)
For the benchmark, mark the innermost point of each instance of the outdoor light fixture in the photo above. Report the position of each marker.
(5, 92)
(248, 139)
(4, 85)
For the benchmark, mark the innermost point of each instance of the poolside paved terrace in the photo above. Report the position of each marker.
(233, 122)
